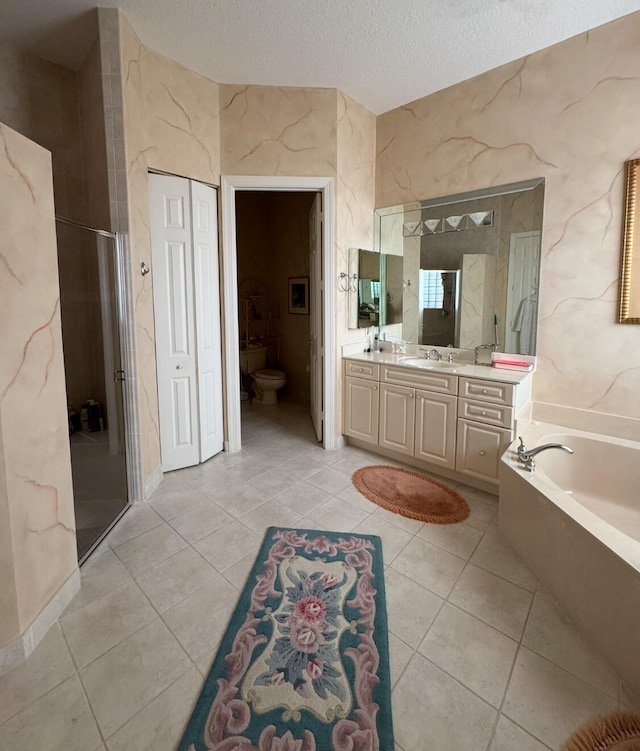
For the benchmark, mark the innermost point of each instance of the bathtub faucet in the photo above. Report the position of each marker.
(526, 455)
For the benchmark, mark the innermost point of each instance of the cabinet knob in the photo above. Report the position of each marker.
(375, 388)
(484, 391)
(410, 396)
(484, 412)
(481, 453)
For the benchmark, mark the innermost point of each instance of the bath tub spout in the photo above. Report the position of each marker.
(526, 455)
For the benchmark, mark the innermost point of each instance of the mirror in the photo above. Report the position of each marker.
(463, 270)
(364, 288)
(630, 277)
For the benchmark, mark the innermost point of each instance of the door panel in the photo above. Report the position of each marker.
(361, 409)
(208, 325)
(315, 309)
(397, 418)
(435, 428)
(90, 307)
(171, 257)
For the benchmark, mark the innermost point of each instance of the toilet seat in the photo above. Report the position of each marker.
(269, 375)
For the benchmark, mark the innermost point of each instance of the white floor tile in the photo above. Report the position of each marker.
(174, 579)
(124, 680)
(200, 522)
(509, 737)
(493, 600)
(199, 621)
(228, 545)
(47, 667)
(460, 539)
(159, 726)
(149, 549)
(59, 721)
(433, 711)
(550, 633)
(411, 608)
(394, 539)
(104, 623)
(548, 702)
(493, 554)
(429, 566)
(474, 653)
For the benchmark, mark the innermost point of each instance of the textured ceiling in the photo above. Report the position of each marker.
(383, 53)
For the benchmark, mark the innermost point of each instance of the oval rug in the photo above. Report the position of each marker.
(410, 494)
(618, 731)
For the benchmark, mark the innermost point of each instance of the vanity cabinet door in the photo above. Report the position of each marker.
(435, 429)
(361, 409)
(397, 416)
(479, 448)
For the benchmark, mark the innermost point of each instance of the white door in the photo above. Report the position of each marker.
(524, 269)
(315, 310)
(204, 213)
(190, 420)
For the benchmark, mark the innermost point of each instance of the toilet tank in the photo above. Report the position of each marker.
(253, 359)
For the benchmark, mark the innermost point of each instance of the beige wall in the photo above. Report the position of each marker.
(40, 100)
(179, 122)
(38, 551)
(170, 124)
(569, 113)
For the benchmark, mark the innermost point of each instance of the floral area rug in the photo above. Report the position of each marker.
(304, 663)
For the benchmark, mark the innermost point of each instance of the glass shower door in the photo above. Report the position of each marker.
(90, 308)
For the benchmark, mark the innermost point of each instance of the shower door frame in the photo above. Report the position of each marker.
(122, 298)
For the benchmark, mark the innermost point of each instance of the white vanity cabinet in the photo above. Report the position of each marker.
(361, 401)
(457, 424)
(485, 426)
(418, 414)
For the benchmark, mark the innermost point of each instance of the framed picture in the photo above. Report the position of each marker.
(299, 295)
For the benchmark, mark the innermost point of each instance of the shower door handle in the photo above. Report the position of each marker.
(118, 376)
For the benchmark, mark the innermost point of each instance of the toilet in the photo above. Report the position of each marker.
(266, 381)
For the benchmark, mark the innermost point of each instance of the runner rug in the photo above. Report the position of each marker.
(304, 663)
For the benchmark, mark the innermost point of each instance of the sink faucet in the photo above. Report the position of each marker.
(433, 355)
(526, 455)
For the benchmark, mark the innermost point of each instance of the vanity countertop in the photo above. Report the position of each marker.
(466, 369)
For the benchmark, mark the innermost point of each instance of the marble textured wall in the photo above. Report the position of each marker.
(568, 113)
(40, 100)
(171, 124)
(38, 553)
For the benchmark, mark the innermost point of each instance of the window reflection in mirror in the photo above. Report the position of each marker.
(479, 254)
(365, 289)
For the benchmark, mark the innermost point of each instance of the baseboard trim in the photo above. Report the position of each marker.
(19, 649)
(152, 483)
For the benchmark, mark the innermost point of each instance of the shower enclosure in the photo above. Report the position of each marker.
(91, 313)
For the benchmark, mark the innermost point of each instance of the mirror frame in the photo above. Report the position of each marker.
(629, 311)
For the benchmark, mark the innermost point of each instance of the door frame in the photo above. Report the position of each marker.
(229, 184)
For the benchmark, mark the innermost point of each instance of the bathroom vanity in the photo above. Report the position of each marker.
(455, 419)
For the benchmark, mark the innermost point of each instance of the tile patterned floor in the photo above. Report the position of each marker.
(482, 659)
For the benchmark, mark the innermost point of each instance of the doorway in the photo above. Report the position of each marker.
(91, 315)
(275, 288)
(326, 364)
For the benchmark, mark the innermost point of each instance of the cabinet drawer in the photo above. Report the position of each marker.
(487, 391)
(479, 448)
(424, 379)
(492, 414)
(370, 370)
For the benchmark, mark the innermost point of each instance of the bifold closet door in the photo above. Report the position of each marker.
(184, 275)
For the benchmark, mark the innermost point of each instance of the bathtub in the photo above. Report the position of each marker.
(575, 521)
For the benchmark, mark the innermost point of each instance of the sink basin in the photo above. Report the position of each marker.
(422, 362)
